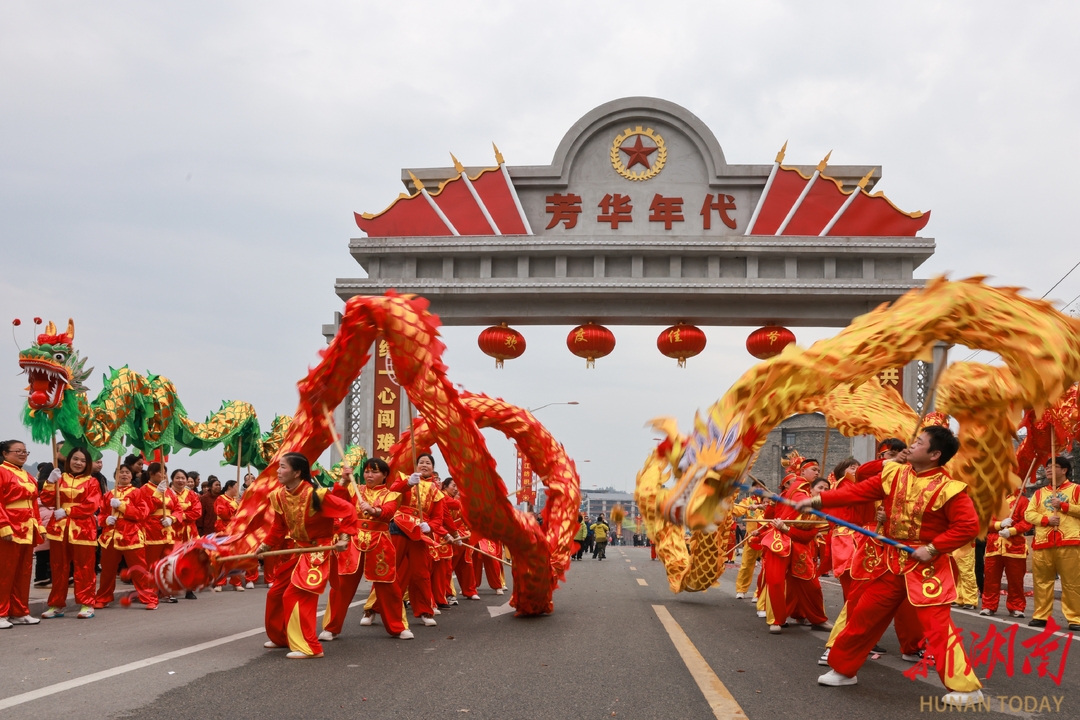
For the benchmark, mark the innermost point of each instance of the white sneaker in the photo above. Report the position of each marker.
(85, 613)
(740, 596)
(499, 591)
(51, 613)
(4, 624)
(986, 611)
(761, 613)
(271, 645)
(824, 659)
(297, 655)
(437, 611)
(405, 635)
(250, 585)
(25, 620)
(835, 679)
(504, 587)
(428, 621)
(963, 699)
(366, 620)
(239, 588)
(217, 588)
(326, 636)
(775, 629)
(474, 597)
(1017, 614)
(452, 601)
(822, 626)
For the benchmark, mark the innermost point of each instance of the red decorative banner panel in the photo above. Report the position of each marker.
(785, 190)
(386, 421)
(876, 215)
(526, 492)
(817, 208)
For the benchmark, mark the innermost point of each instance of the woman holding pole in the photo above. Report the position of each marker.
(123, 511)
(72, 532)
(310, 516)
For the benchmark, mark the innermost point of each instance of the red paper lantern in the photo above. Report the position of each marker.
(590, 341)
(681, 341)
(502, 343)
(768, 341)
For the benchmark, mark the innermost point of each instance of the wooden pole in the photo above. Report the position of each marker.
(333, 433)
(269, 553)
(239, 457)
(412, 439)
(1053, 458)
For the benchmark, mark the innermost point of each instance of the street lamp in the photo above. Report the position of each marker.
(572, 402)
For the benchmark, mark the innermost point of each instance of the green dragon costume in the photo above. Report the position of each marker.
(131, 411)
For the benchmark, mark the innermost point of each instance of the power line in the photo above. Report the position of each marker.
(1063, 307)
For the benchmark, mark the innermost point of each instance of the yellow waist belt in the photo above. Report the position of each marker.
(19, 505)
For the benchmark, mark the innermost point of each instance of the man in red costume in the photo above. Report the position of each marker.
(928, 510)
(1006, 552)
(791, 586)
(310, 516)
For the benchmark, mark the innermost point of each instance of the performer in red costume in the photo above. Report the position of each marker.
(461, 563)
(791, 584)
(370, 554)
(225, 507)
(189, 510)
(20, 531)
(123, 510)
(926, 509)
(72, 532)
(1006, 552)
(419, 520)
(306, 514)
(162, 509)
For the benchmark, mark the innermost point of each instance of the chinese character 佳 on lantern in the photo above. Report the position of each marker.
(502, 343)
(590, 341)
(681, 341)
(768, 341)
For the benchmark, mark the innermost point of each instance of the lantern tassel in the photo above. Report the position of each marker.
(590, 363)
(682, 362)
(498, 363)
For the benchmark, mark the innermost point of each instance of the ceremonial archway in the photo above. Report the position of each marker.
(639, 220)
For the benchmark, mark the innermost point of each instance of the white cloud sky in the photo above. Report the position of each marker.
(181, 177)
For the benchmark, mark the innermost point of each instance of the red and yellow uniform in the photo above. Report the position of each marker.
(19, 521)
(1055, 553)
(791, 586)
(293, 600)
(225, 507)
(371, 553)
(73, 538)
(462, 561)
(157, 533)
(188, 512)
(921, 509)
(122, 536)
(1006, 552)
(413, 547)
(750, 553)
(484, 563)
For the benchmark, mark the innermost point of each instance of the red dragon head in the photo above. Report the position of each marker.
(52, 366)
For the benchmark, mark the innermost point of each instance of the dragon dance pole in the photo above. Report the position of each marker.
(831, 518)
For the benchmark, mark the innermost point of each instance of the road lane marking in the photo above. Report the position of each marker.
(137, 665)
(641, 581)
(633, 568)
(721, 701)
(497, 610)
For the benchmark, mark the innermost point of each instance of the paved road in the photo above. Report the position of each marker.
(605, 652)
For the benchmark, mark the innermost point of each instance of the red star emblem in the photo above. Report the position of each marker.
(639, 154)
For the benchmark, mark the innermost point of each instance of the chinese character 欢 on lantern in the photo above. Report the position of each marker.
(564, 209)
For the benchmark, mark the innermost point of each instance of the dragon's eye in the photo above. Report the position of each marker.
(59, 357)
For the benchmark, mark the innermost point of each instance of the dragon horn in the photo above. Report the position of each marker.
(71, 329)
(50, 329)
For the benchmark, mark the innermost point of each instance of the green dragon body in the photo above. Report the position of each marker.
(132, 410)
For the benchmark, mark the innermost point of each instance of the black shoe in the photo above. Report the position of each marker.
(879, 650)
(1035, 622)
(169, 599)
(1074, 626)
(190, 596)
(443, 606)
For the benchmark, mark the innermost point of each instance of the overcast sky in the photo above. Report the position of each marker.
(180, 177)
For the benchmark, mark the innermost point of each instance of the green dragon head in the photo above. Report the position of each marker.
(53, 366)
